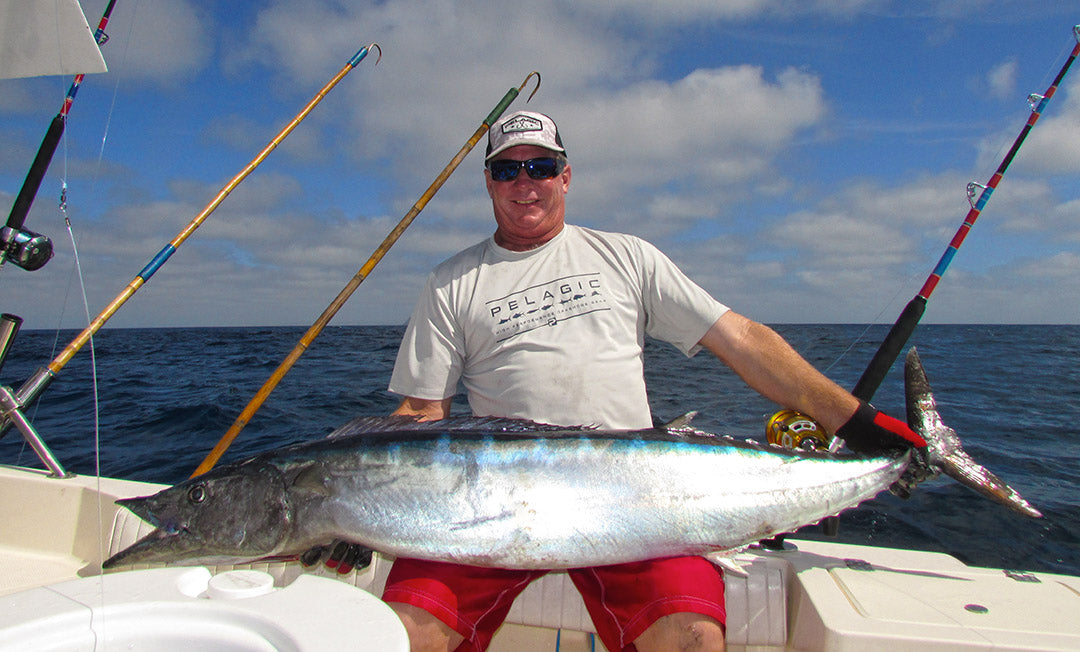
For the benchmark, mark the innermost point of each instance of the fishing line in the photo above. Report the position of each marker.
(25, 248)
(97, 417)
(897, 337)
(93, 354)
(77, 271)
(909, 318)
(32, 388)
(56, 342)
(874, 374)
(876, 320)
(116, 90)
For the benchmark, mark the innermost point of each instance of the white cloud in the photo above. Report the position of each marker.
(708, 139)
(714, 159)
(845, 241)
(162, 42)
(716, 114)
(1053, 144)
(1002, 79)
(692, 11)
(650, 155)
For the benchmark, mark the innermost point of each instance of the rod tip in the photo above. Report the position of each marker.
(359, 56)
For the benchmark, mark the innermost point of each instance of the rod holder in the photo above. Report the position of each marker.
(12, 403)
(11, 412)
(9, 328)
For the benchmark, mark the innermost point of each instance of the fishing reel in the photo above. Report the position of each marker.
(25, 249)
(795, 430)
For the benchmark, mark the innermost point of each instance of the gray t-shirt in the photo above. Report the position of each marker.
(554, 334)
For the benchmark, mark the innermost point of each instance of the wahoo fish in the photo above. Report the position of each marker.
(515, 494)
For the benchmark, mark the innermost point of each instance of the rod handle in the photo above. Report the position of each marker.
(889, 350)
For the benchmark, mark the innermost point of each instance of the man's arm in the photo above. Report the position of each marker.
(768, 364)
(427, 410)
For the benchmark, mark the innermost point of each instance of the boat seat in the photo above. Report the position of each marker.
(756, 597)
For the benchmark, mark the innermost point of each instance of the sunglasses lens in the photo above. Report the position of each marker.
(536, 168)
(504, 169)
(542, 168)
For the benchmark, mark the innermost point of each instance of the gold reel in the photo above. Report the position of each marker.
(795, 430)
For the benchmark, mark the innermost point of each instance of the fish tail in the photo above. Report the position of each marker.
(944, 451)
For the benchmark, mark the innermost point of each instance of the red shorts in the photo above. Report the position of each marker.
(623, 600)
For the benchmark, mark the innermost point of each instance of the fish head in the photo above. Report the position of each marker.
(232, 514)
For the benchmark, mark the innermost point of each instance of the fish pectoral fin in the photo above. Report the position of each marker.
(725, 559)
(311, 480)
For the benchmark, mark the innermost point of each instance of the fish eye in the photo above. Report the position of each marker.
(197, 494)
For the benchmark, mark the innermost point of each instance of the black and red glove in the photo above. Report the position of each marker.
(340, 556)
(872, 431)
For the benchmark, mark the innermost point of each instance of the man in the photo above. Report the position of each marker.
(546, 321)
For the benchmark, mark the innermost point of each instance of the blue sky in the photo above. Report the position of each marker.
(803, 161)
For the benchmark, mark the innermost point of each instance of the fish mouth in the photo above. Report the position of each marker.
(167, 537)
(150, 548)
(140, 506)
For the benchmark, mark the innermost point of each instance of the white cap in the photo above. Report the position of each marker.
(523, 128)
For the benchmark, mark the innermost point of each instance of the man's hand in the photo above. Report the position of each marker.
(339, 555)
(872, 431)
(425, 409)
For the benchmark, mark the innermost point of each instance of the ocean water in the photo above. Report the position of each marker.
(165, 396)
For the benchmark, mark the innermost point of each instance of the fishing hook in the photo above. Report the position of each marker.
(525, 83)
(359, 56)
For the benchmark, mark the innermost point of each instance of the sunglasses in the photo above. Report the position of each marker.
(505, 169)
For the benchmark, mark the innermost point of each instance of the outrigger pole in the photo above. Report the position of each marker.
(890, 348)
(343, 296)
(27, 249)
(37, 383)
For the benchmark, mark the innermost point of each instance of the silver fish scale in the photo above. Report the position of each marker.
(572, 502)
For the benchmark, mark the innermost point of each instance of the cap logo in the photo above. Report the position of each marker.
(522, 123)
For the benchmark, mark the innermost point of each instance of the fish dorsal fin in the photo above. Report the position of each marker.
(681, 422)
(403, 423)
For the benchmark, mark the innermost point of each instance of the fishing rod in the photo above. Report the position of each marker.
(37, 383)
(24, 248)
(890, 348)
(343, 296)
(788, 427)
(782, 423)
